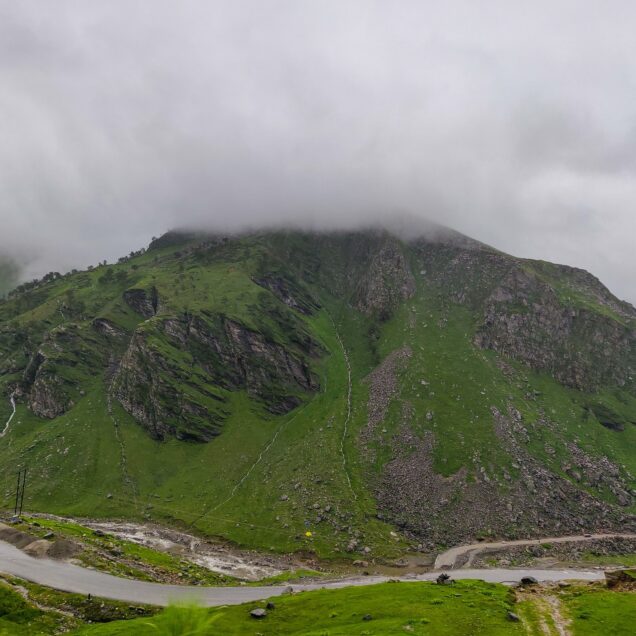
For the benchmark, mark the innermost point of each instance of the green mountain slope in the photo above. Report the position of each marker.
(368, 390)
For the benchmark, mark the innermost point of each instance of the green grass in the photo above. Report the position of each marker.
(627, 560)
(295, 576)
(20, 618)
(601, 611)
(28, 608)
(467, 608)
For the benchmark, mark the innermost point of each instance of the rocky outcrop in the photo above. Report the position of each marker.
(107, 328)
(624, 579)
(44, 390)
(144, 302)
(289, 293)
(386, 282)
(47, 396)
(154, 390)
(174, 375)
(51, 382)
(583, 348)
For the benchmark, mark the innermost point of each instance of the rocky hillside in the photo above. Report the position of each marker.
(380, 391)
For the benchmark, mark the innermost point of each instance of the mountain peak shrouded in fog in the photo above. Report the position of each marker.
(127, 119)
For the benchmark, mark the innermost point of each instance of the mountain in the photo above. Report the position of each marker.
(375, 391)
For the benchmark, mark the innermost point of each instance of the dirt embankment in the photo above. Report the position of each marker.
(37, 547)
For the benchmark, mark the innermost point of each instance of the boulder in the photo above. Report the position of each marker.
(621, 578)
(258, 613)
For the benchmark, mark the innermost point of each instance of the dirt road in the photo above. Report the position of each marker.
(450, 558)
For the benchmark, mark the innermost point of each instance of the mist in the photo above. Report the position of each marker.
(509, 122)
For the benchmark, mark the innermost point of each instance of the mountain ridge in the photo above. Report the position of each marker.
(355, 383)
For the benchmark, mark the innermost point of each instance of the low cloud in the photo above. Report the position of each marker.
(513, 124)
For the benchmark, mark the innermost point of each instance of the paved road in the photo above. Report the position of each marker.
(72, 578)
(449, 558)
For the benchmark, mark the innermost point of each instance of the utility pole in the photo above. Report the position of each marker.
(23, 488)
(19, 492)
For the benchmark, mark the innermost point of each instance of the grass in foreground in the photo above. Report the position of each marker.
(29, 608)
(601, 611)
(467, 608)
(19, 617)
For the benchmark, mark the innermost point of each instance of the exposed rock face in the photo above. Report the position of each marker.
(387, 281)
(46, 395)
(260, 364)
(147, 386)
(145, 303)
(170, 399)
(292, 295)
(525, 319)
(107, 328)
(49, 384)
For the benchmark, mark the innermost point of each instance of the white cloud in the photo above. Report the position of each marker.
(511, 122)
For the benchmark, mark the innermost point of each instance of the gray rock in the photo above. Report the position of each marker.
(258, 613)
(529, 580)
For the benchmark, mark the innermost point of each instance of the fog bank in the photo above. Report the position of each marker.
(511, 123)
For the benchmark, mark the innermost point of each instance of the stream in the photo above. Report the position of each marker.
(5, 430)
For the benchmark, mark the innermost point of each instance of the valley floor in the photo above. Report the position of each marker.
(465, 608)
(566, 602)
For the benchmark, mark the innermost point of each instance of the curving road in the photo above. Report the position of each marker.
(449, 558)
(72, 578)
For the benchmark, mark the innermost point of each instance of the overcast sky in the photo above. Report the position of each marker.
(513, 122)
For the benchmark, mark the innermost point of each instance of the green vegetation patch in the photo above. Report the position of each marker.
(600, 611)
(19, 617)
(464, 609)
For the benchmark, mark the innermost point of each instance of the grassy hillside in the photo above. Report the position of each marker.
(374, 393)
(415, 608)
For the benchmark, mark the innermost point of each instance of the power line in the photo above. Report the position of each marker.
(19, 492)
